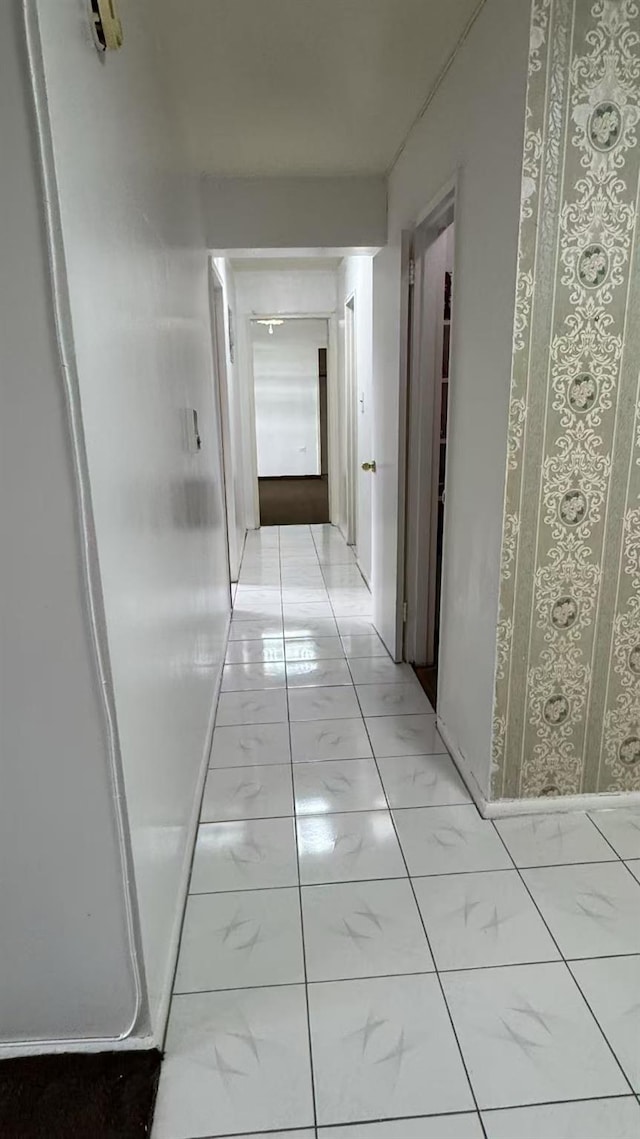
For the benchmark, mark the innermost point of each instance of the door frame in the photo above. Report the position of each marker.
(333, 442)
(421, 402)
(350, 421)
(221, 398)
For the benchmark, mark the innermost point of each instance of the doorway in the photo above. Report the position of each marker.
(430, 316)
(291, 419)
(349, 423)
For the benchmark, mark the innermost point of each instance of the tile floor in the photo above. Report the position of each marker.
(363, 956)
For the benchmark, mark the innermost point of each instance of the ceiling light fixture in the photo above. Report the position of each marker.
(270, 324)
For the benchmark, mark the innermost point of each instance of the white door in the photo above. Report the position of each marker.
(390, 315)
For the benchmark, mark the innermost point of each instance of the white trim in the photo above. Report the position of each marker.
(90, 565)
(333, 434)
(506, 808)
(162, 1016)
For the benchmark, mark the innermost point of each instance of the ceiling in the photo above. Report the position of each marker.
(303, 87)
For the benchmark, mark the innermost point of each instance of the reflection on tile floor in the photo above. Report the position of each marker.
(363, 956)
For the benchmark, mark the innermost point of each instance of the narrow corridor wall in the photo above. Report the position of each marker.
(137, 269)
(567, 700)
(68, 965)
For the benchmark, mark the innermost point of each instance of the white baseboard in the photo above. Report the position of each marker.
(14, 1051)
(503, 808)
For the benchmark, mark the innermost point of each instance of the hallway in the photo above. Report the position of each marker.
(348, 902)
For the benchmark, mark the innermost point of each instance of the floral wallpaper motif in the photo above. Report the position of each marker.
(567, 694)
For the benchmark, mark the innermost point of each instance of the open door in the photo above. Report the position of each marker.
(390, 313)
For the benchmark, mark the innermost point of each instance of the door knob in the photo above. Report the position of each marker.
(370, 466)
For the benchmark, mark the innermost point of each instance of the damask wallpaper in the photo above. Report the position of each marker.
(567, 697)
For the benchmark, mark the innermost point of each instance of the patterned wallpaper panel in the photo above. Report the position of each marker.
(567, 698)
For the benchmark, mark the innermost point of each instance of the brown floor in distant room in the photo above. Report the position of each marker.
(294, 501)
(109, 1095)
(428, 678)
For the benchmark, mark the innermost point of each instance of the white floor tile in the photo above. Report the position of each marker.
(449, 840)
(548, 840)
(247, 745)
(304, 609)
(379, 669)
(235, 708)
(310, 628)
(391, 699)
(366, 929)
(404, 735)
(244, 856)
(230, 941)
(306, 1134)
(348, 848)
(338, 785)
(252, 652)
(261, 628)
(584, 1119)
(384, 1047)
(352, 607)
(318, 648)
(465, 1126)
(622, 828)
(475, 920)
(315, 673)
(298, 595)
(244, 610)
(247, 793)
(329, 739)
(253, 677)
(235, 1060)
(611, 986)
(528, 1037)
(634, 866)
(422, 781)
(364, 646)
(355, 626)
(590, 910)
(323, 703)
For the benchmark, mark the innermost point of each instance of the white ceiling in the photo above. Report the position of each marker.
(306, 87)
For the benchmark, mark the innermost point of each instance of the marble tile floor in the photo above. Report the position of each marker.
(363, 956)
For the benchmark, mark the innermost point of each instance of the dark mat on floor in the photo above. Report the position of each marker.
(294, 501)
(109, 1095)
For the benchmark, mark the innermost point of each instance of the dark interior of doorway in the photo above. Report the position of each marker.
(303, 499)
(428, 674)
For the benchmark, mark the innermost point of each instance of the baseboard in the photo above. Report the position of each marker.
(608, 801)
(16, 1050)
(162, 1009)
(541, 805)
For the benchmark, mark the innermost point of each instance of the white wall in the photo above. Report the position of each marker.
(137, 270)
(246, 213)
(473, 127)
(66, 968)
(286, 383)
(356, 280)
(280, 292)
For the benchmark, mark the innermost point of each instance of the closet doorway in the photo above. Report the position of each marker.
(291, 419)
(430, 317)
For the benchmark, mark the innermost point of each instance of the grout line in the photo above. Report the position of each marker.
(390, 976)
(437, 974)
(564, 959)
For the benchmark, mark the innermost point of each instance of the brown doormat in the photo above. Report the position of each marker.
(109, 1095)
